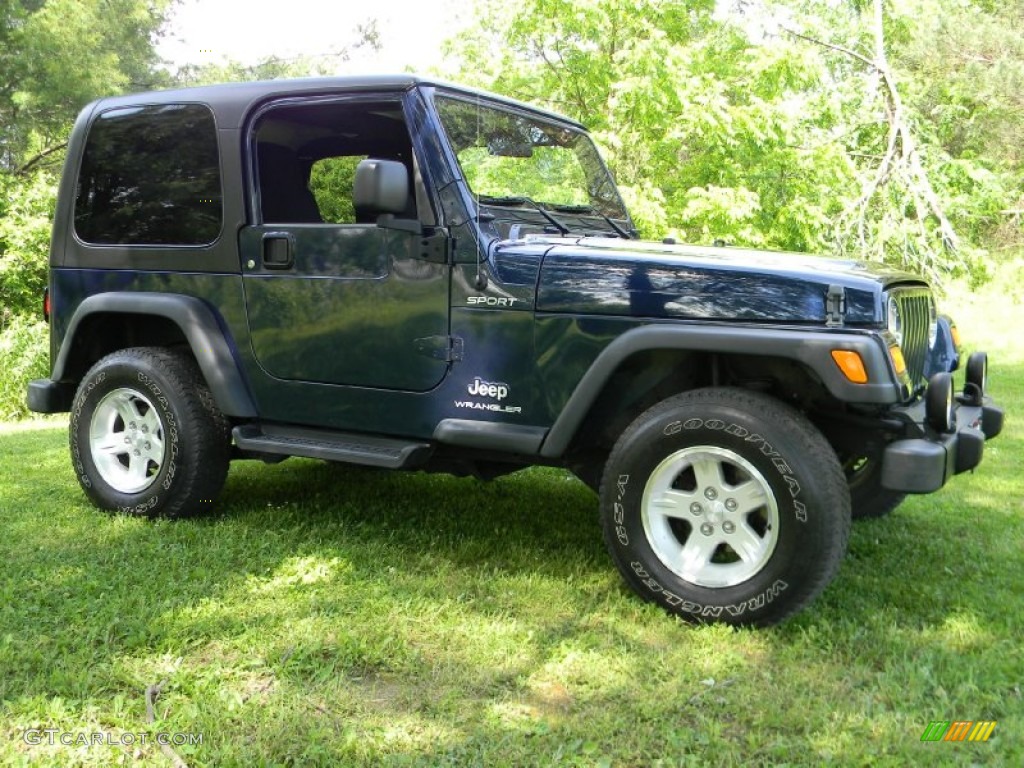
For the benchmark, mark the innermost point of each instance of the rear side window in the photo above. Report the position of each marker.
(150, 176)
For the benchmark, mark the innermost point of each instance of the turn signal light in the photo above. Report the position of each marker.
(851, 364)
(955, 333)
(898, 362)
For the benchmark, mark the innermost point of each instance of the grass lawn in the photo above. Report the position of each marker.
(332, 616)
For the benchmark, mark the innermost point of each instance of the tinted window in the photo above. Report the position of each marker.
(306, 158)
(150, 175)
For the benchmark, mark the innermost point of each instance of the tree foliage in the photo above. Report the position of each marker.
(719, 124)
(24, 243)
(57, 55)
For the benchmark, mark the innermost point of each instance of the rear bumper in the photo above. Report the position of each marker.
(925, 464)
(48, 396)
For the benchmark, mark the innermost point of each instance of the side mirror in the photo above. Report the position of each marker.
(381, 186)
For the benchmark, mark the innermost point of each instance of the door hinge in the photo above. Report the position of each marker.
(436, 246)
(447, 348)
(835, 306)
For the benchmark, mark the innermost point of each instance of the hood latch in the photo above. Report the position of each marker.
(835, 306)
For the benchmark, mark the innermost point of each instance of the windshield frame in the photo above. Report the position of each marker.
(599, 176)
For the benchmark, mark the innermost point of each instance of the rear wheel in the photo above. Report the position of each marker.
(725, 505)
(146, 437)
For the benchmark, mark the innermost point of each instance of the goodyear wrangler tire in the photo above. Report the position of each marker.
(146, 437)
(725, 505)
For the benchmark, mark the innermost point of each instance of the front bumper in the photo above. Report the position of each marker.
(48, 396)
(924, 464)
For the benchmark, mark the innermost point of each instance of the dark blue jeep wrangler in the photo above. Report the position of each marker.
(400, 273)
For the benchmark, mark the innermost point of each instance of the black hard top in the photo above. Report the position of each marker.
(231, 101)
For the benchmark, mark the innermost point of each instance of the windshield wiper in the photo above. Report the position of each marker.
(518, 200)
(589, 209)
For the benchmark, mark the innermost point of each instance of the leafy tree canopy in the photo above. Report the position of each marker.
(765, 123)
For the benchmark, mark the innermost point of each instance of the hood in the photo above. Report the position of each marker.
(620, 277)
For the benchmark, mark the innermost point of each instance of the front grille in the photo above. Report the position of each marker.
(915, 310)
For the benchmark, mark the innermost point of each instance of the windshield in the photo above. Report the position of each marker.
(511, 158)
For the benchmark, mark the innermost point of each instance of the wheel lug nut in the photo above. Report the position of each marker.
(711, 493)
(696, 508)
(137, 453)
(131, 425)
(707, 529)
(145, 428)
(731, 504)
(147, 446)
(728, 527)
(127, 440)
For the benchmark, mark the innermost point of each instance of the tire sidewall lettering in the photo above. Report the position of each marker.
(767, 449)
(761, 440)
(708, 610)
(619, 513)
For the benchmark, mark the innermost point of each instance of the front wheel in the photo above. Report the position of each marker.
(725, 505)
(146, 437)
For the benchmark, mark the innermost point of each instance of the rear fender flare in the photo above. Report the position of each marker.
(198, 324)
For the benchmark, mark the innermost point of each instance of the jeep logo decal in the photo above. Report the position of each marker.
(483, 388)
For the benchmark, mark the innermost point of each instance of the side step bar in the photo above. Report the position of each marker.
(333, 446)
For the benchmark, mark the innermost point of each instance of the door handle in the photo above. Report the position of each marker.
(278, 250)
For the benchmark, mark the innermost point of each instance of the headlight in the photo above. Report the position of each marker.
(895, 321)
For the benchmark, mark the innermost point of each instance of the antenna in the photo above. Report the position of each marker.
(480, 283)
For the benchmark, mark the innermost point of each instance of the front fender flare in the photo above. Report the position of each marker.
(812, 348)
(199, 326)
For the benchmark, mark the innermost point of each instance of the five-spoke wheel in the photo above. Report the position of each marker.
(710, 516)
(126, 440)
(146, 436)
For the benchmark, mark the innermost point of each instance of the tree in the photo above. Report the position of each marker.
(964, 65)
(59, 54)
(912, 199)
(709, 135)
(719, 124)
(55, 56)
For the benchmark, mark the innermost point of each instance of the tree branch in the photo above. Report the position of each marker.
(24, 169)
(832, 46)
(901, 158)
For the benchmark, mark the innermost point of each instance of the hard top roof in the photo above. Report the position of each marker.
(231, 101)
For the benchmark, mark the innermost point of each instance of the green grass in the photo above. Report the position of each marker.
(330, 616)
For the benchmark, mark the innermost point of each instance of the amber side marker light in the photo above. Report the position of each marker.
(899, 363)
(955, 333)
(851, 364)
